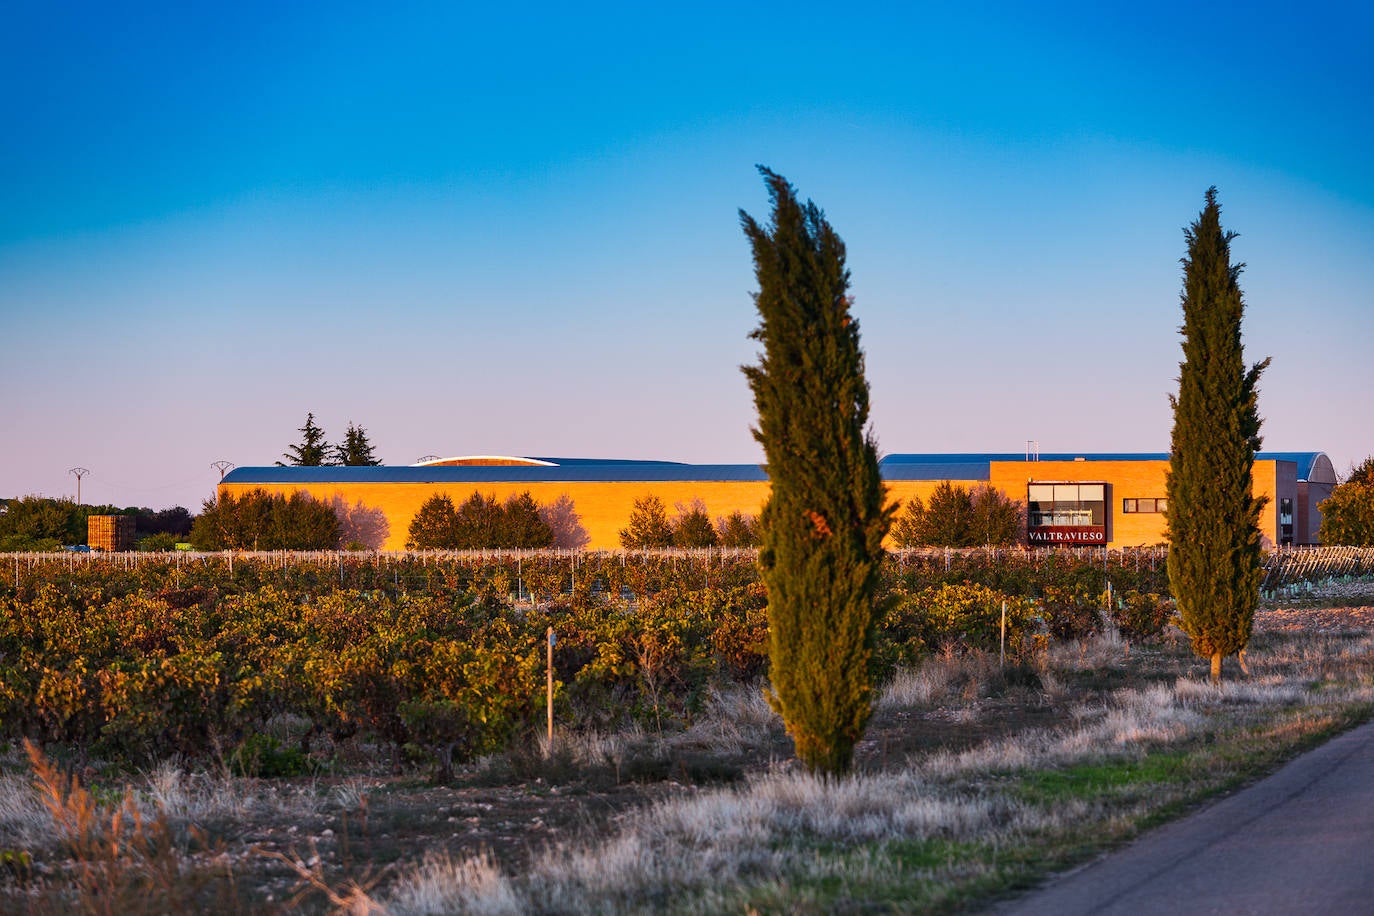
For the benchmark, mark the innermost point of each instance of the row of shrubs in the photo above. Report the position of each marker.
(438, 655)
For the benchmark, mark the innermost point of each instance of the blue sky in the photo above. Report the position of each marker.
(514, 230)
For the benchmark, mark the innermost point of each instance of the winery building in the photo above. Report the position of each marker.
(1088, 499)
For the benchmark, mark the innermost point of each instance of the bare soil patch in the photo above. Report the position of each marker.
(1314, 619)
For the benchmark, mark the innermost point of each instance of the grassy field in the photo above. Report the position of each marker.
(973, 783)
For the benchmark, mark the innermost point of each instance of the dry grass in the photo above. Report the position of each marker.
(25, 822)
(939, 679)
(442, 884)
(785, 833)
(937, 829)
(142, 847)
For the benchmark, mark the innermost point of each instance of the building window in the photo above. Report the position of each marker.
(1066, 513)
(1067, 504)
(1158, 504)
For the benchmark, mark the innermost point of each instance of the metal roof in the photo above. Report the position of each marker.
(1307, 462)
(961, 466)
(977, 466)
(564, 469)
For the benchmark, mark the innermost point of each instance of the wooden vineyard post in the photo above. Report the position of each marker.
(1002, 649)
(551, 640)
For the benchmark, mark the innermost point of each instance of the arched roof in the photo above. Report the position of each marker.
(484, 461)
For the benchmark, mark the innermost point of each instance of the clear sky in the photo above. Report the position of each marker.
(513, 228)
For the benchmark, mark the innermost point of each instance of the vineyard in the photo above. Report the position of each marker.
(440, 657)
(395, 703)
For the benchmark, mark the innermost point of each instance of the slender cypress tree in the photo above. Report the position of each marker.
(1213, 517)
(824, 522)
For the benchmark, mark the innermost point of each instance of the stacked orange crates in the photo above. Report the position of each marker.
(110, 532)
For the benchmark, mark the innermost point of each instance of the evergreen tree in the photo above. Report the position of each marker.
(522, 527)
(909, 528)
(312, 452)
(259, 520)
(692, 527)
(959, 517)
(826, 516)
(1215, 567)
(737, 530)
(996, 520)
(355, 451)
(945, 521)
(433, 526)
(649, 528)
(301, 522)
(477, 523)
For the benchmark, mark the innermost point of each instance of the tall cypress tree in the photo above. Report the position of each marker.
(824, 522)
(1213, 518)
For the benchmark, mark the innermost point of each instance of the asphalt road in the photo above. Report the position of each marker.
(1301, 841)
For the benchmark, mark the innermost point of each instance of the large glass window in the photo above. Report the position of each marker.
(1066, 504)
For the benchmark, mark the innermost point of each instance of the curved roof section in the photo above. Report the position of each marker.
(523, 461)
(1312, 466)
(571, 470)
(483, 461)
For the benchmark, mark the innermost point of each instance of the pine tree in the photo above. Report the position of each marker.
(692, 527)
(1214, 562)
(258, 520)
(738, 530)
(355, 451)
(826, 516)
(649, 528)
(522, 525)
(945, 521)
(434, 525)
(477, 523)
(313, 450)
(996, 520)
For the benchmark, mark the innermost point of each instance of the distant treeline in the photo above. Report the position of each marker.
(37, 523)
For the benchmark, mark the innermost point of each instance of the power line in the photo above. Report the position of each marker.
(79, 472)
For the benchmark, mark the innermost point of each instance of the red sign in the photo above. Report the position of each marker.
(1068, 535)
